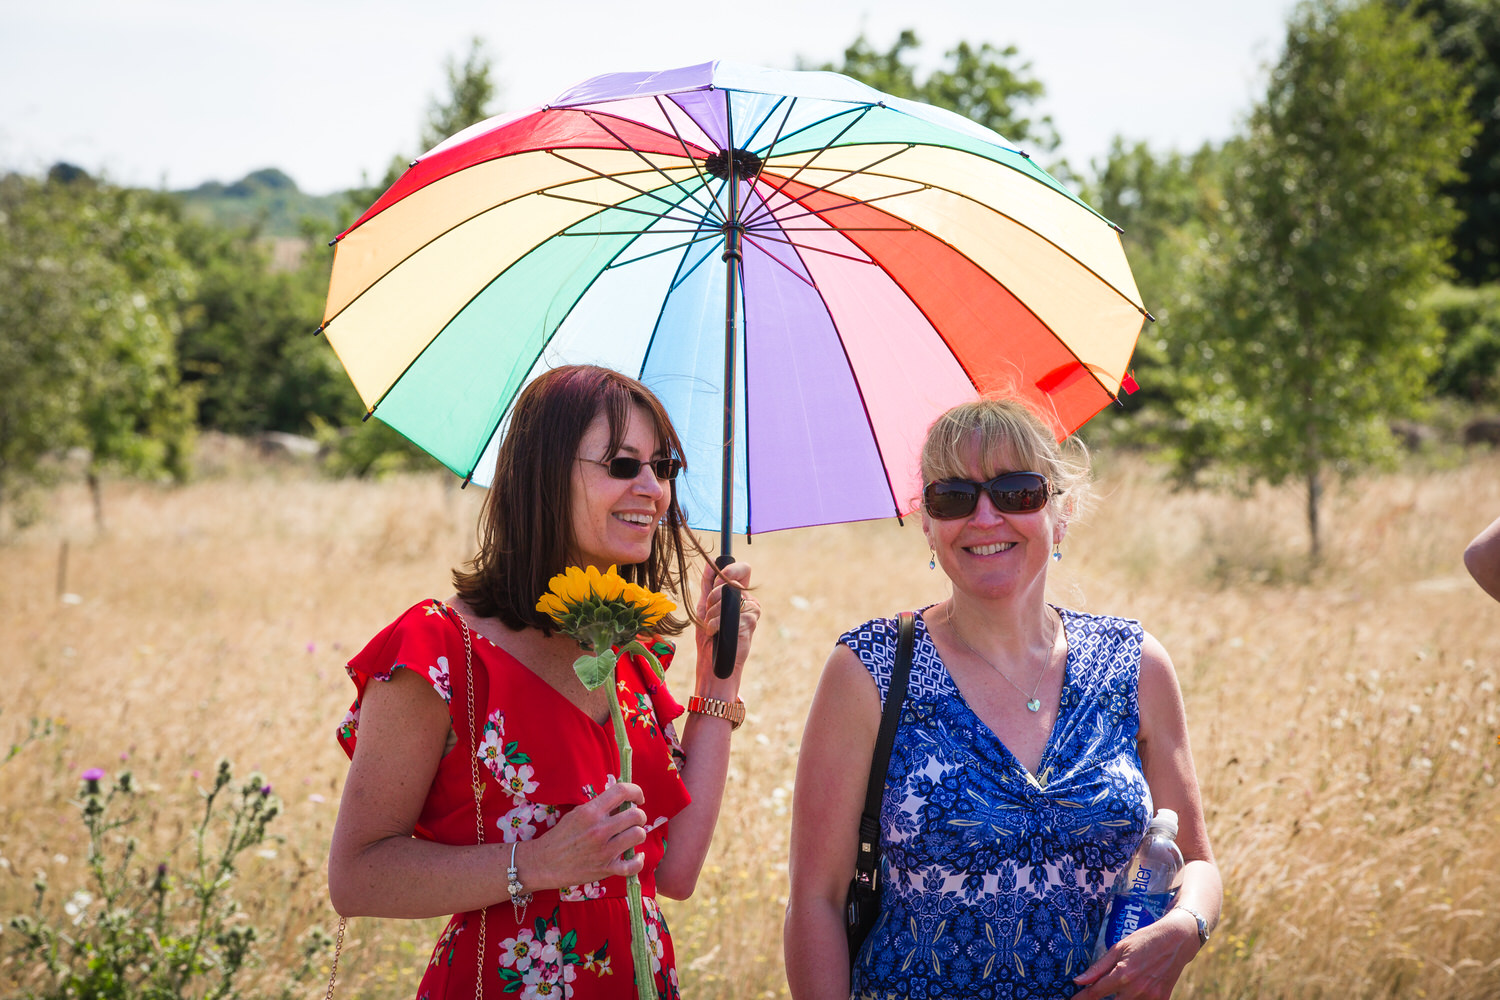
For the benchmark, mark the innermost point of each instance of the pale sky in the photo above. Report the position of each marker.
(171, 93)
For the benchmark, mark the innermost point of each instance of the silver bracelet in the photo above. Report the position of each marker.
(1203, 930)
(519, 897)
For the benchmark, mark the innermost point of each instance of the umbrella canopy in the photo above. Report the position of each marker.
(847, 263)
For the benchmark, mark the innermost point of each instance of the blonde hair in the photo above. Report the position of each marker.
(1007, 435)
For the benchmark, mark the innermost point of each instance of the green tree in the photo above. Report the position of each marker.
(471, 95)
(1312, 331)
(247, 340)
(1468, 33)
(987, 85)
(91, 283)
(1164, 205)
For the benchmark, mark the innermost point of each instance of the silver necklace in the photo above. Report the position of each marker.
(1033, 703)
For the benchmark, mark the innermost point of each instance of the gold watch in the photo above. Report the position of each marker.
(732, 712)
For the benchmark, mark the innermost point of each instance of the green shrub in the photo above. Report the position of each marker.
(143, 931)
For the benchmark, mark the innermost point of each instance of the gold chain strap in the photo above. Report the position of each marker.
(478, 792)
(338, 945)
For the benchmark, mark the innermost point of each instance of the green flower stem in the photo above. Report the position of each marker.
(640, 952)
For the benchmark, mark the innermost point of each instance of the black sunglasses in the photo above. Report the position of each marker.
(1011, 493)
(624, 467)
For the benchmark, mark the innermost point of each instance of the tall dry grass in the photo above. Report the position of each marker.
(1344, 721)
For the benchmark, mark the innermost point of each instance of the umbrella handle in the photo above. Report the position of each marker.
(727, 642)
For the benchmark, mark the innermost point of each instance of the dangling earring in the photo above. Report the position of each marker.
(932, 559)
(1057, 551)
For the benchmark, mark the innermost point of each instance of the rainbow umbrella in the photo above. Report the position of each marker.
(804, 269)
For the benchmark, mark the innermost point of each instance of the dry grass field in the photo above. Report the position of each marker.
(1345, 722)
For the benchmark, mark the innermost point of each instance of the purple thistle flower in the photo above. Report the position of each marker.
(92, 774)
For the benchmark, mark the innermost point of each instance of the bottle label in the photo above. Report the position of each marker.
(1129, 913)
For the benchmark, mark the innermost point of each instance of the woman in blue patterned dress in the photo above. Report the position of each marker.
(1034, 744)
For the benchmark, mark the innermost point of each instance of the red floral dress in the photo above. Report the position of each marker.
(543, 756)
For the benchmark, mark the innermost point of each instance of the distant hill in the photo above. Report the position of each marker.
(266, 198)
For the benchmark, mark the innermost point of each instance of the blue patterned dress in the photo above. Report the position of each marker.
(994, 880)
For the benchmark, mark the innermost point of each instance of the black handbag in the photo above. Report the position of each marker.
(862, 905)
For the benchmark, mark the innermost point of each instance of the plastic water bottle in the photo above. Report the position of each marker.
(1145, 892)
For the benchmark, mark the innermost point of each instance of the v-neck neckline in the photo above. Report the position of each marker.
(539, 680)
(1036, 780)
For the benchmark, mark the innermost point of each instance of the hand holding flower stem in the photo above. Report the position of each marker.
(606, 614)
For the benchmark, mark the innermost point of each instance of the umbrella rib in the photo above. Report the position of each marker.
(686, 220)
(997, 211)
(687, 194)
(825, 147)
(770, 148)
(806, 281)
(850, 203)
(832, 253)
(708, 235)
(616, 179)
(677, 283)
(687, 151)
(866, 169)
(651, 232)
(858, 387)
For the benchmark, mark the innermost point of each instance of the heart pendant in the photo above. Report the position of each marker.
(1034, 705)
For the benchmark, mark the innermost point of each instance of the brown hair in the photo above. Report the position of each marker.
(526, 528)
(1005, 429)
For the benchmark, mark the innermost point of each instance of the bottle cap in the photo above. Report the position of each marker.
(1165, 819)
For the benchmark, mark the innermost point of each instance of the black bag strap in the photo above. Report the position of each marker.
(866, 859)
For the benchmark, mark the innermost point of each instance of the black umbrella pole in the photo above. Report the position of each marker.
(727, 645)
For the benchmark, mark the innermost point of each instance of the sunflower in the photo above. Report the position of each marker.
(606, 614)
(601, 611)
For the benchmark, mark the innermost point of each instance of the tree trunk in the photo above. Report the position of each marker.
(1314, 495)
(96, 491)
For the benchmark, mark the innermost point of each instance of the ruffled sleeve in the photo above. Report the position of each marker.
(423, 640)
(650, 711)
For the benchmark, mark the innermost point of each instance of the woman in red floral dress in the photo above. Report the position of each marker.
(584, 478)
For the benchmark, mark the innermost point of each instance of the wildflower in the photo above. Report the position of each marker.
(77, 906)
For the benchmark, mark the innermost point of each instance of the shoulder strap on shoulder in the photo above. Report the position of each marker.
(866, 858)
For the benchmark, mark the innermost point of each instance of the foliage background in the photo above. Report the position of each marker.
(1343, 712)
(1344, 725)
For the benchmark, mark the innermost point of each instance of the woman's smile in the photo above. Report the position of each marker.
(989, 549)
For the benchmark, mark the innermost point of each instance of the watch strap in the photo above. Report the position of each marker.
(732, 712)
